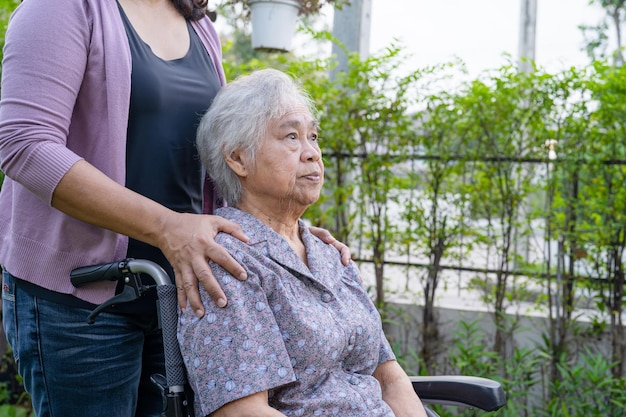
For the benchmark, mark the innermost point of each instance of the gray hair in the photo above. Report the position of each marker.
(238, 119)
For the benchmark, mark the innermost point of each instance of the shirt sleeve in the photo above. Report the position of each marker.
(235, 351)
(353, 278)
(385, 351)
(47, 44)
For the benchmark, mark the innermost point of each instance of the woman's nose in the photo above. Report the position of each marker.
(311, 151)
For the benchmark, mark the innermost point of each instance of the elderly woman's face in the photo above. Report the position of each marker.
(288, 165)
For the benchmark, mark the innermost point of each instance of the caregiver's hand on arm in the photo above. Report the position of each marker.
(187, 240)
(398, 391)
(255, 405)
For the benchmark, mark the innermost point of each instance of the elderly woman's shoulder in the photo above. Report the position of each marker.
(251, 226)
(247, 221)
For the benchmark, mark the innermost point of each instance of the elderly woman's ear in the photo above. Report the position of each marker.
(238, 163)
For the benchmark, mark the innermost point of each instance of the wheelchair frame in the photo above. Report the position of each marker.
(459, 390)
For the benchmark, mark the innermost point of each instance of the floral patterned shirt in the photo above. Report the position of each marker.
(310, 336)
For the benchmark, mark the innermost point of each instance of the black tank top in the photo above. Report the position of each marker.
(166, 102)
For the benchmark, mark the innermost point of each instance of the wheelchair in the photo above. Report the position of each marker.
(457, 390)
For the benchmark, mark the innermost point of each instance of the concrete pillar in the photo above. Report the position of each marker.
(527, 32)
(352, 26)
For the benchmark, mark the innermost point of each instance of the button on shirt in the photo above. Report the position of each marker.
(310, 336)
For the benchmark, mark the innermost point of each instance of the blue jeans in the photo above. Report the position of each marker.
(74, 369)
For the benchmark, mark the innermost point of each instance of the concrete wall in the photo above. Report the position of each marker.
(403, 328)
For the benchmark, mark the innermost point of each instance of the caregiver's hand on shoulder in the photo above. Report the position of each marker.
(188, 244)
(325, 236)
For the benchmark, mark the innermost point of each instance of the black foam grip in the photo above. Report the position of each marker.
(174, 366)
(485, 394)
(94, 273)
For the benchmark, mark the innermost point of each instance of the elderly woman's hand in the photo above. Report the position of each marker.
(325, 235)
(188, 242)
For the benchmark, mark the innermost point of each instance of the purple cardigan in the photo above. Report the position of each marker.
(64, 97)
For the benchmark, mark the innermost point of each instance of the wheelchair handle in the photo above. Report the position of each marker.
(114, 271)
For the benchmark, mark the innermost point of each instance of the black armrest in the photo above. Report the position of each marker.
(485, 394)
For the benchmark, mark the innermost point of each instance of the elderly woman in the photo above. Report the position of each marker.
(300, 337)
